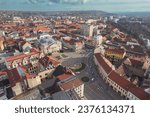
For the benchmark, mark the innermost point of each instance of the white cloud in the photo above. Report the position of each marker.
(59, 1)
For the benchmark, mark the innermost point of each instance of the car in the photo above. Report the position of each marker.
(93, 79)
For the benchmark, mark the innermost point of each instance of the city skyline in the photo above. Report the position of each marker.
(73, 5)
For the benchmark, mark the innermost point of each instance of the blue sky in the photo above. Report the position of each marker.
(60, 5)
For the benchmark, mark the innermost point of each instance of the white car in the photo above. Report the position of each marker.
(93, 79)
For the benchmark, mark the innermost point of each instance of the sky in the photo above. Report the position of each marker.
(111, 6)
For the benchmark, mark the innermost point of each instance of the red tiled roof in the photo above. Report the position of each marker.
(14, 76)
(11, 42)
(3, 73)
(54, 62)
(121, 81)
(45, 61)
(128, 86)
(72, 41)
(1, 38)
(71, 84)
(21, 56)
(44, 28)
(103, 63)
(139, 92)
(64, 76)
(136, 62)
(27, 75)
(136, 49)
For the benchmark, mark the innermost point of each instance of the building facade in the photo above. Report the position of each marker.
(119, 83)
(74, 84)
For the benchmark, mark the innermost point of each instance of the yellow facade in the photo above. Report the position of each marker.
(114, 55)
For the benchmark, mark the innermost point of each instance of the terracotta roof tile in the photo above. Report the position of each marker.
(128, 86)
(3, 73)
(139, 92)
(71, 84)
(121, 81)
(47, 60)
(42, 28)
(103, 63)
(14, 76)
(64, 76)
(21, 56)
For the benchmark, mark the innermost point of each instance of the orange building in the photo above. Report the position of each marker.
(115, 53)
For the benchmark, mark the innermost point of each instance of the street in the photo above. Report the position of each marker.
(96, 88)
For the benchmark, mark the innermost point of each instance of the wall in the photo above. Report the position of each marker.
(80, 91)
(33, 82)
(131, 96)
(101, 70)
(17, 89)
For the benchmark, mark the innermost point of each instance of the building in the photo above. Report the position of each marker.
(119, 83)
(48, 45)
(1, 44)
(48, 86)
(115, 54)
(61, 95)
(98, 40)
(62, 73)
(136, 66)
(24, 46)
(102, 65)
(17, 80)
(137, 93)
(28, 70)
(18, 19)
(148, 44)
(23, 59)
(32, 94)
(31, 39)
(134, 50)
(147, 73)
(37, 73)
(43, 29)
(73, 44)
(74, 85)
(3, 84)
(87, 30)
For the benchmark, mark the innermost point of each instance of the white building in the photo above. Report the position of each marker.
(18, 19)
(18, 89)
(131, 96)
(48, 45)
(87, 30)
(90, 21)
(98, 39)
